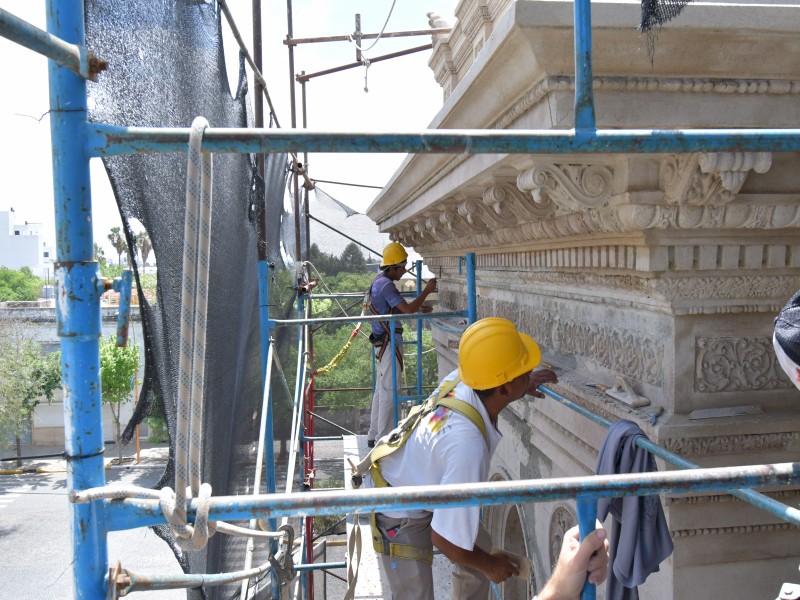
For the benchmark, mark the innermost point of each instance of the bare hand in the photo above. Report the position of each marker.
(430, 286)
(499, 568)
(425, 308)
(578, 562)
(541, 377)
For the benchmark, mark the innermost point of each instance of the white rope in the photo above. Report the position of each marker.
(377, 39)
(191, 366)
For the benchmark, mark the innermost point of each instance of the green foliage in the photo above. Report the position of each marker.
(26, 377)
(110, 270)
(19, 285)
(351, 260)
(118, 369)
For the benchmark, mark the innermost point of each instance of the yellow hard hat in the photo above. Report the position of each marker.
(393, 254)
(492, 352)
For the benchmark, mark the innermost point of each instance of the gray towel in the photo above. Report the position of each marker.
(639, 538)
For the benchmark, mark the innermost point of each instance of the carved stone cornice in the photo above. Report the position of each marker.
(610, 219)
(570, 187)
(709, 178)
(563, 83)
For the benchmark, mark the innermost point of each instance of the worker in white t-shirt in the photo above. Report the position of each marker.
(495, 367)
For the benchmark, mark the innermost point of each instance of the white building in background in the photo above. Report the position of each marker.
(23, 245)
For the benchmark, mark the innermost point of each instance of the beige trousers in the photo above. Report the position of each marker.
(412, 579)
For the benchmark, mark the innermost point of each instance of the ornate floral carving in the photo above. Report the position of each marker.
(733, 444)
(563, 520)
(710, 178)
(733, 167)
(570, 187)
(629, 353)
(735, 364)
(510, 203)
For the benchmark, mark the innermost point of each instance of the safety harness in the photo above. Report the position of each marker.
(383, 341)
(395, 440)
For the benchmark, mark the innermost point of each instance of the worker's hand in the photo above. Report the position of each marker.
(540, 377)
(499, 568)
(430, 287)
(425, 308)
(577, 562)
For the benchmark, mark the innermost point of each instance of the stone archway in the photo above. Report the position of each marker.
(505, 524)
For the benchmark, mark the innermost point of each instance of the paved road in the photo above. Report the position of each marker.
(35, 542)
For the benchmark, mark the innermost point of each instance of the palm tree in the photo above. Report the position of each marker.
(118, 242)
(145, 246)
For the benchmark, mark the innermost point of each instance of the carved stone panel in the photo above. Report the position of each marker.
(737, 364)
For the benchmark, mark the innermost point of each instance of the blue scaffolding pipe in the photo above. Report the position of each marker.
(472, 293)
(419, 330)
(110, 140)
(74, 57)
(77, 306)
(366, 318)
(78, 315)
(438, 325)
(132, 513)
(584, 98)
(784, 512)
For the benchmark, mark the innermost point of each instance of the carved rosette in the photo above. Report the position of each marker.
(710, 178)
(568, 187)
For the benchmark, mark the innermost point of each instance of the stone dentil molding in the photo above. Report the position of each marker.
(709, 178)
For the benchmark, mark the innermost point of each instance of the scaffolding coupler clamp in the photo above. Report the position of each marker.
(285, 573)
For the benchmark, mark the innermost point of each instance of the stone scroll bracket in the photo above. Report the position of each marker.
(709, 178)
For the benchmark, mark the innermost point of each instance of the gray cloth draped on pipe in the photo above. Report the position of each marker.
(639, 539)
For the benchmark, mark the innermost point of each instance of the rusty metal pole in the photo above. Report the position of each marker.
(293, 102)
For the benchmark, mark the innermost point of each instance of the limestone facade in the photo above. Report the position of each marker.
(666, 270)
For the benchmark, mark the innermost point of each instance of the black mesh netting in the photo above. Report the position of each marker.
(166, 67)
(656, 13)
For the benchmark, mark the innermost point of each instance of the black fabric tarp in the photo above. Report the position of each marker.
(165, 68)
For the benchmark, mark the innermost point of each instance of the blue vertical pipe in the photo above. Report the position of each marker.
(123, 286)
(472, 298)
(78, 306)
(584, 98)
(587, 523)
(419, 331)
(266, 332)
(392, 348)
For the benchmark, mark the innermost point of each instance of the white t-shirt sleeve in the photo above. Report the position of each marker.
(463, 463)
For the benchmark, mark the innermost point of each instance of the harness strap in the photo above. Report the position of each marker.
(466, 409)
(406, 551)
(379, 543)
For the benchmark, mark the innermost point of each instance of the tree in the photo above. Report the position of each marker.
(353, 259)
(26, 376)
(145, 246)
(19, 285)
(118, 367)
(118, 242)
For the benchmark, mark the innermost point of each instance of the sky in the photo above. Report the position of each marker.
(403, 96)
